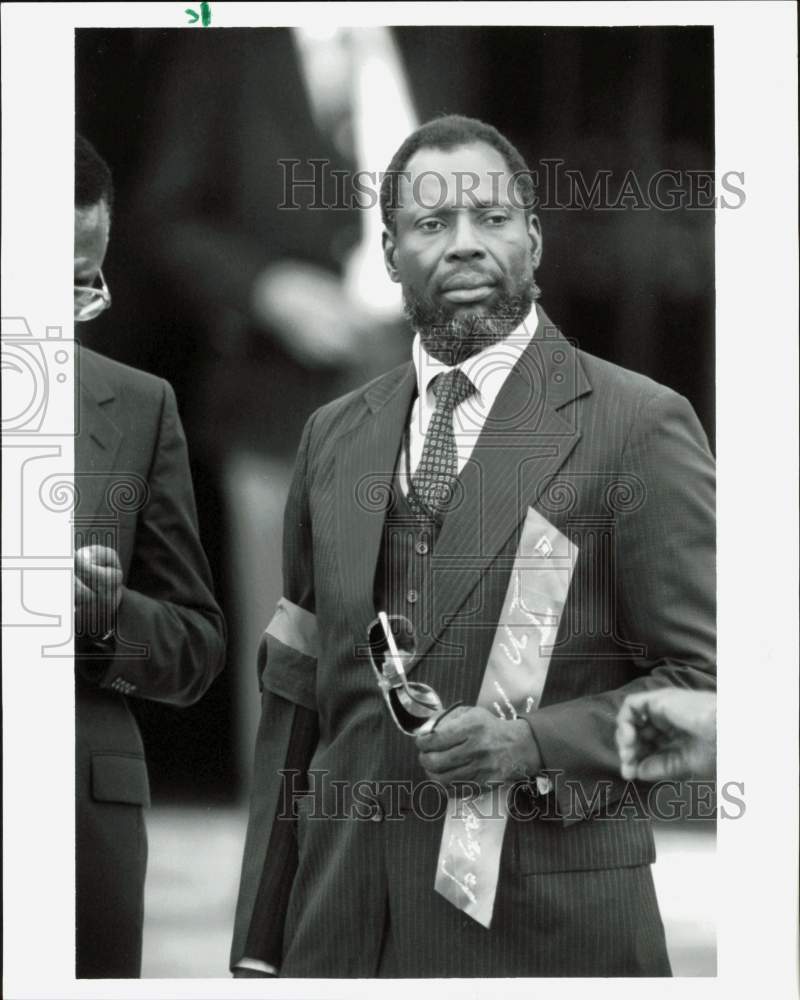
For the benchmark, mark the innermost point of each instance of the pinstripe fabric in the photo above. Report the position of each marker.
(596, 922)
(620, 466)
(265, 934)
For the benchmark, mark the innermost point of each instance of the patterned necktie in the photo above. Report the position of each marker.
(432, 483)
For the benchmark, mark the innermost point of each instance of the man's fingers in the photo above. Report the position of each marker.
(626, 734)
(101, 578)
(651, 709)
(103, 555)
(92, 562)
(99, 555)
(453, 730)
(659, 766)
(635, 703)
(625, 716)
(107, 576)
(83, 562)
(98, 585)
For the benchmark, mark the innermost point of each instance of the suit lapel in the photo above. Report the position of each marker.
(365, 465)
(98, 438)
(523, 444)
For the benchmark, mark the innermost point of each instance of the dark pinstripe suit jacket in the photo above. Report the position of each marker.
(619, 465)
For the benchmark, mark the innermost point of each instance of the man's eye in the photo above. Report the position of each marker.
(496, 218)
(431, 225)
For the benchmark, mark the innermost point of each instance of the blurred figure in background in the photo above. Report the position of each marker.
(290, 306)
(668, 733)
(146, 624)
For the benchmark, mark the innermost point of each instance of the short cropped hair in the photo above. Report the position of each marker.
(93, 181)
(449, 132)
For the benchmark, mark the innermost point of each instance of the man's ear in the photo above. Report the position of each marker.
(535, 235)
(390, 255)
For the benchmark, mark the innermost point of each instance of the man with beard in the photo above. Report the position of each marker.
(485, 550)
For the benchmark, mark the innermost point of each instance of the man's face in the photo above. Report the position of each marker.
(463, 249)
(91, 242)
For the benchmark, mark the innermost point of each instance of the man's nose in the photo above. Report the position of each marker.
(465, 242)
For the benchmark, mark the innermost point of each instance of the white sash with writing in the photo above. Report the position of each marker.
(472, 839)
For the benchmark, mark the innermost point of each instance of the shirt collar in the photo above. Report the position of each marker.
(487, 370)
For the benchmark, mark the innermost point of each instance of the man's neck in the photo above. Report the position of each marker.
(487, 368)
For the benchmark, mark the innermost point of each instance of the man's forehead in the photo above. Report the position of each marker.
(462, 177)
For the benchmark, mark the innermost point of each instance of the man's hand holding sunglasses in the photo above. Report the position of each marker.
(474, 745)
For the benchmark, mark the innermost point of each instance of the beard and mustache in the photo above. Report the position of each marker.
(452, 338)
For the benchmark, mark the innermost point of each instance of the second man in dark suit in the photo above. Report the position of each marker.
(147, 624)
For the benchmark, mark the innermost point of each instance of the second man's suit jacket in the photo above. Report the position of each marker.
(620, 466)
(133, 493)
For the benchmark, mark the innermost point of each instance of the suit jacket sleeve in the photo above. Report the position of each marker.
(286, 739)
(665, 566)
(167, 602)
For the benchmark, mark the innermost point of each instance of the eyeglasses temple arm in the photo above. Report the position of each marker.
(447, 711)
(393, 650)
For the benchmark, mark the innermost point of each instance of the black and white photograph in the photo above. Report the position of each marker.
(365, 573)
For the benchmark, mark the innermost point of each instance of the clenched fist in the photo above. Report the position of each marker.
(667, 733)
(98, 590)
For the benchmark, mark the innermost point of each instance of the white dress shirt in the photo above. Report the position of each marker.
(487, 371)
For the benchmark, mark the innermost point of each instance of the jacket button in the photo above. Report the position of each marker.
(422, 548)
(412, 596)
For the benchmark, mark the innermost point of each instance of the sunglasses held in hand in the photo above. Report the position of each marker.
(415, 707)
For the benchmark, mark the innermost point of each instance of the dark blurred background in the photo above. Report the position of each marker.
(193, 122)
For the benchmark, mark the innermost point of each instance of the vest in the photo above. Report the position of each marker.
(404, 556)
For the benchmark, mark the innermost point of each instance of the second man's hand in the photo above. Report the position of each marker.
(474, 745)
(98, 589)
(667, 733)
